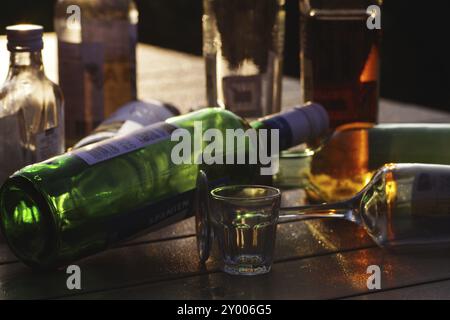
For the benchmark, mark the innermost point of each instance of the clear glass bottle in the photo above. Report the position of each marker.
(97, 60)
(31, 106)
(243, 43)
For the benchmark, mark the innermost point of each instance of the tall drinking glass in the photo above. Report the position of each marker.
(340, 48)
(243, 48)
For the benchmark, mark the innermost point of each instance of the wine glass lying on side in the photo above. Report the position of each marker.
(403, 205)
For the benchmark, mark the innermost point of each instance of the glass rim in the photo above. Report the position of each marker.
(277, 193)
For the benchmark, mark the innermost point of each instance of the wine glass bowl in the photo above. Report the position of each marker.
(374, 208)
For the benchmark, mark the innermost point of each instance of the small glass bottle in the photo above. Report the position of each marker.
(97, 60)
(31, 106)
(243, 44)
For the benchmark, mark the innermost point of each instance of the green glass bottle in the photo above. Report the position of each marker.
(82, 202)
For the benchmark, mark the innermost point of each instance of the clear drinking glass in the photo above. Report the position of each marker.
(340, 58)
(243, 44)
(244, 220)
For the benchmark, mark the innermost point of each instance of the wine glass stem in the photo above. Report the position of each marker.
(339, 210)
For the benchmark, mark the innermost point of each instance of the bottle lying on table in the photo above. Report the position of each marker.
(84, 201)
(348, 159)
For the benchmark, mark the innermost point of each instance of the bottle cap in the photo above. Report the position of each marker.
(25, 38)
(308, 122)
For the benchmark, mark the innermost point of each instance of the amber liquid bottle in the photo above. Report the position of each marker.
(340, 59)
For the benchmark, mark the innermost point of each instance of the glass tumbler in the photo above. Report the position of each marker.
(340, 57)
(243, 43)
(244, 221)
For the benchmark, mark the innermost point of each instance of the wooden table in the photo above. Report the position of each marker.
(314, 259)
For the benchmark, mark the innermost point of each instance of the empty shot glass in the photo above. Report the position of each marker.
(244, 221)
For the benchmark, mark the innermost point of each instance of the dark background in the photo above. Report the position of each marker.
(415, 54)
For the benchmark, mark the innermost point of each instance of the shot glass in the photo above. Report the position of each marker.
(244, 221)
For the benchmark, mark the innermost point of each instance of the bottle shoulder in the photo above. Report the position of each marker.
(26, 89)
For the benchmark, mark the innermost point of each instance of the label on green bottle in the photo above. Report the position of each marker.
(300, 124)
(115, 147)
(152, 217)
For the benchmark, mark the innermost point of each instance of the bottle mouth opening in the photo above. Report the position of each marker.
(26, 221)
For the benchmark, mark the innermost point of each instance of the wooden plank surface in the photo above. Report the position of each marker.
(328, 276)
(171, 259)
(437, 290)
(314, 259)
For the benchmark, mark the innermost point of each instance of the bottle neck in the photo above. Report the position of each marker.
(276, 122)
(307, 124)
(25, 62)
